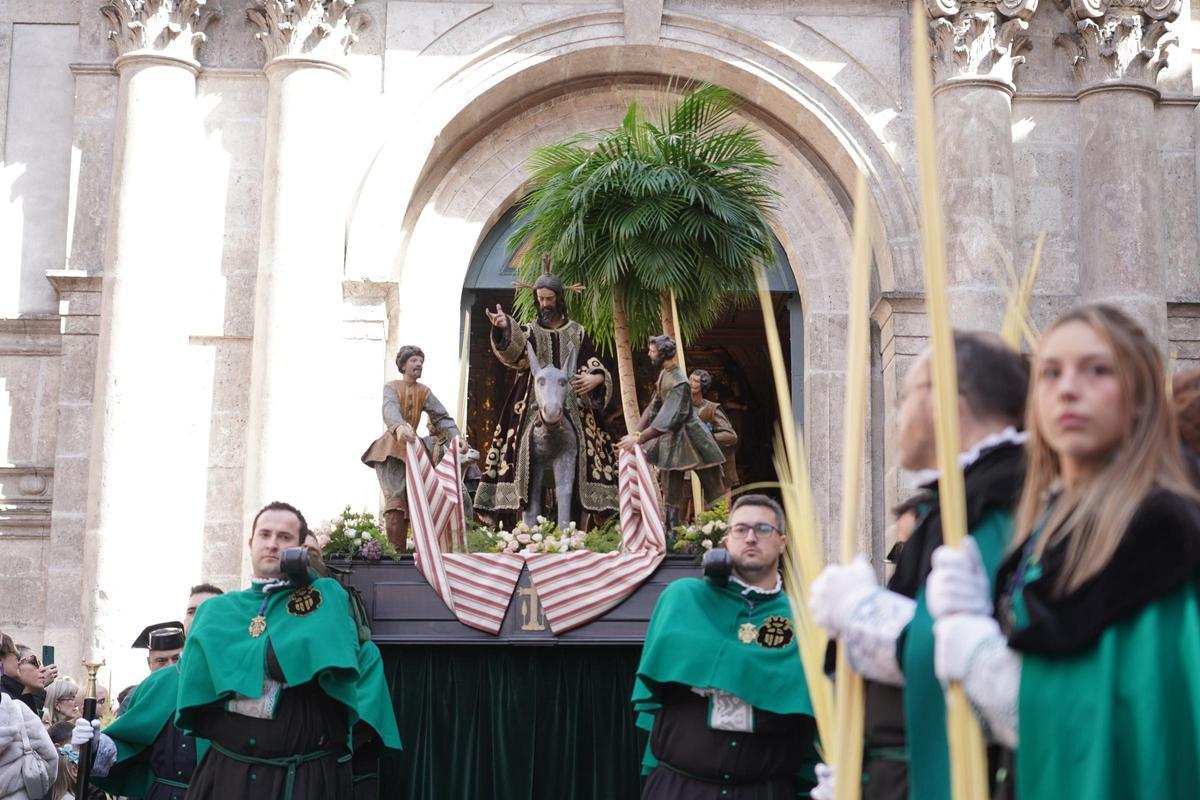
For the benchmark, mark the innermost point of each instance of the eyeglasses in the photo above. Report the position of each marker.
(31, 660)
(762, 529)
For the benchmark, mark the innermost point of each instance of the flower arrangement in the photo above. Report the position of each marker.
(704, 533)
(544, 537)
(353, 535)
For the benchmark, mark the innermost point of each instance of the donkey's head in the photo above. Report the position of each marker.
(551, 385)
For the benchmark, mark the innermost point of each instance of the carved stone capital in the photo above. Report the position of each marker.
(1119, 42)
(170, 28)
(323, 30)
(977, 43)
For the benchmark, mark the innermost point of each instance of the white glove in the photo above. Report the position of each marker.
(825, 785)
(84, 731)
(836, 592)
(971, 649)
(958, 583)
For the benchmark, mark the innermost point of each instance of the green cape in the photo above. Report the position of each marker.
(1122, 718)
(316, 641)
(149, 710)
(924, 701)
(693, 640)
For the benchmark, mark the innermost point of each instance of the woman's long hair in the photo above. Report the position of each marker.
(62, 687)
(1092, 518)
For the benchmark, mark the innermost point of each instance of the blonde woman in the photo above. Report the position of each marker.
(62, 701)
(1089, 664)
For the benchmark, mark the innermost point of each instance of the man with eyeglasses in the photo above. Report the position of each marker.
(719, 686)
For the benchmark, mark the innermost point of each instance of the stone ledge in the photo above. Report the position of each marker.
(26, 495)
(34, 336)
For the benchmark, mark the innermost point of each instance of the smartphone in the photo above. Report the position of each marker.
(47, 655)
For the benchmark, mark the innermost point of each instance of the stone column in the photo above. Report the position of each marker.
(142, 526)
(295, 450)
(975, 50)
(1118, 52)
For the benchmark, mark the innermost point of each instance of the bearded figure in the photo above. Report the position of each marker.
(504, 484)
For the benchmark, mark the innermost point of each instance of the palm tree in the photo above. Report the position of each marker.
(645, 209)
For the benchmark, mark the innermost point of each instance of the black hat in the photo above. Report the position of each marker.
(160, 636)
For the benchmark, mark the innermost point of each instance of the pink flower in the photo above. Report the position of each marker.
(322, 540)
(524, 538)
(534, 548)
(512, 546)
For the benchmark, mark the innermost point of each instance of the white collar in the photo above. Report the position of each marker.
(757, 589)
(1009, 435)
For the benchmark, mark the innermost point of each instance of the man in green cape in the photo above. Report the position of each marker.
(276, 678)
(142, 754)
(888, 633)
(719, 686)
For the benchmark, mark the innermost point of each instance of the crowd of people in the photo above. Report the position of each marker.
(1070, 616)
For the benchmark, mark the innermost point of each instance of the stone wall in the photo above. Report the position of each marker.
(256, 254)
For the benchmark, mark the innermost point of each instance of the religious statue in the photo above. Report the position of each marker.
(403, 402)
(718, 424)
(553, 340)
(674, 438)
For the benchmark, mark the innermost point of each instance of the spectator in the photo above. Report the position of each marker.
(22, 677)
(62, 701)
(15, 716)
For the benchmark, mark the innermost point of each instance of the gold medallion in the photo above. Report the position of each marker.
(258, 625)
(748, 634)
(776, 632)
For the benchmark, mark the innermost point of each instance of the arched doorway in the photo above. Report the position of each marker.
(734, 352)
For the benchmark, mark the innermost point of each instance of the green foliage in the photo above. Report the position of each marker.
(353, 535)
(605, 538)
(683, 203)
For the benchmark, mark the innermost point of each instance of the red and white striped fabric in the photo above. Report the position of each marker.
(476, 587)
(575, 588)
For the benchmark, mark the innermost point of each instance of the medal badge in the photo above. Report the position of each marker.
(776, 632)
(747, 633)
(303, 602)
(258, 625)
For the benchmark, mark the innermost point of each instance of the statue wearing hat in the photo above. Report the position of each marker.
(555, 341)
(403, 403)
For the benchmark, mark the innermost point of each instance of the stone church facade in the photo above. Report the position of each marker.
(221, 217)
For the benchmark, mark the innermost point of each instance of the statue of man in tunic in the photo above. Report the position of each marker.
(504, 485)
(403, 403)
(673, 437)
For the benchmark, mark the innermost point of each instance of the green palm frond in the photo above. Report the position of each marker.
(682, 203)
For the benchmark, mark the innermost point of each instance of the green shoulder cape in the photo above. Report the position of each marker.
(693, 639)
(314, 637)
(135, 731)
(924, 700)
(1122, 718)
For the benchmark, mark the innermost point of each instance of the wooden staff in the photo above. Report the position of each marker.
(677, 330)
(463, 360)
(848, 752)
(84, 775)
(968, 763)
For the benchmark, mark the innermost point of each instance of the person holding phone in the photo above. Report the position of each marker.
(22, 675)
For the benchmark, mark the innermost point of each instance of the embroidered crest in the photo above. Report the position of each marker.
(775, 632)
(304, 601)
(258, 625)
(747, 633)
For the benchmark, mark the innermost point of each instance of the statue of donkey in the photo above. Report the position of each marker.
(553, 440)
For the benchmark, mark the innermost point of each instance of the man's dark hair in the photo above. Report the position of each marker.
(7, 648)
(665, 345)
(123, 696)
(762, 501)
(406, 352)
(278, 505)
(208, 588)
(705, 379)
(992, 377)
(553, 283)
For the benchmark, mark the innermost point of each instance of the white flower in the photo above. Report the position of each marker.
(572, 525)
(506, 536)
(708, 528)
(336, 521)
(537, 537)
(541, 520)
(707, 544)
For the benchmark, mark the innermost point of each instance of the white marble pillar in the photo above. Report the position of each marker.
(975, 49)
(296, 448)
(1118, 50)
(144, 519)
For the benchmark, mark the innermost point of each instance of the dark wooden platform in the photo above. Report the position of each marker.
(404, 609)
